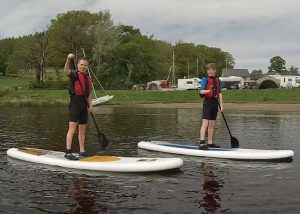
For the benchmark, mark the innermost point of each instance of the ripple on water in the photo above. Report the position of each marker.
(201, 185)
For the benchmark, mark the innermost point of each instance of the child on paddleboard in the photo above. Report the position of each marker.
(211, 90)
(80, 104)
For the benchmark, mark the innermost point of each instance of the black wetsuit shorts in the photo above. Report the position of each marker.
(210, 109)
(78, 111)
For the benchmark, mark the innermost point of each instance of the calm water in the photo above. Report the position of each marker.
(202, 185)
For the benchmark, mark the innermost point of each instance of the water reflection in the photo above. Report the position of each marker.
(79, 190)
(202, 185)
(210, 194)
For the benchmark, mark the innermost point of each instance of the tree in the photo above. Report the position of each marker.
(29, 52)
(259, 71)
(277, 65)
(134, 61)
(164, 52)
(71, 31)
(293, 70)
(185, 59)
(38, 53)
(107, 39)
(7, 47)
(18, 61)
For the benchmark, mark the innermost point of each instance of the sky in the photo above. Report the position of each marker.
(253, 31)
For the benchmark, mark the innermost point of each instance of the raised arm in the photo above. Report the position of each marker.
(67, 69)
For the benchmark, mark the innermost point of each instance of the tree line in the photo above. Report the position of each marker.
(119, 55)
(277, 65)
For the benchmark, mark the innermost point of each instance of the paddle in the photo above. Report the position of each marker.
(234, 142)
(101, 136)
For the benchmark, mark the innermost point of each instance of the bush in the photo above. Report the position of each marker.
(49, 84)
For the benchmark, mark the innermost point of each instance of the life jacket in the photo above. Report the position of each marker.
(212, 83)
(76, 88)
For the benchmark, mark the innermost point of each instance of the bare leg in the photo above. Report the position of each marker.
(211, 126)
(70, 134)
(81, 136)
(203, 129)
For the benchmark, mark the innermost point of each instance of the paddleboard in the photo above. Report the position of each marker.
(97, 162)
(101, 100)
(227, 153)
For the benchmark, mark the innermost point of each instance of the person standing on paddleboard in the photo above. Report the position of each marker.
(211, 90)
(80, 94)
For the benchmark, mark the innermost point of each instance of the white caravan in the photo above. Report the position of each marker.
(288, 81)
(189, 84)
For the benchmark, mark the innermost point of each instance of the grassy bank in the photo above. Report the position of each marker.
(15, 82)
(61, 97)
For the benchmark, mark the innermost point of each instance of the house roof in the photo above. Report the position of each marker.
(256, 76)
(235, 72)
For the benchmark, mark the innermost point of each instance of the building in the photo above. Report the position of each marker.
(235, 78)
(229, 72)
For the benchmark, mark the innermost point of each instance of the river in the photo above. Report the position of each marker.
(201, 185)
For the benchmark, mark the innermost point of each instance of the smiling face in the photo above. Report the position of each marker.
(211, 69)
(211, 72)
(82, 65)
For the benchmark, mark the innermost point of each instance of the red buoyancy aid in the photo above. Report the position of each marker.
(86, 84)
(214, 84)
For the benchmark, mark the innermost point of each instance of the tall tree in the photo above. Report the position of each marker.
(107, 39)
(30, 53)
(135, 60)
(7, 47)
(38, 53)
(19, 61)
(71, 31)
(164, 52)
(185, 57)
(277, 65)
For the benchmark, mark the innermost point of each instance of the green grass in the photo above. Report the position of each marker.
(61, 97)
(15, 82)
(135, 97)
(14, 91)
(281, 95)
(35, 98)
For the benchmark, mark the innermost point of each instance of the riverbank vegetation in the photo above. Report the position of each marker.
(127, 97)
(120, 55)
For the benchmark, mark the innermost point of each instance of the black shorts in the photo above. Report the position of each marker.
(78, 111)
(210, 109)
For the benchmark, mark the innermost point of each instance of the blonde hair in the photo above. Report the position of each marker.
(211, 65)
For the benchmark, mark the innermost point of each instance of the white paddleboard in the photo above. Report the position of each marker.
(228, 153)
(100, 163)
(101, 100)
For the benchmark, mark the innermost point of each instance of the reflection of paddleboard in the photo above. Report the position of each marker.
(100, 163)
(228, 153)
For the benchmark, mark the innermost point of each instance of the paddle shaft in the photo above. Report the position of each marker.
(225, 121)
(234, 142)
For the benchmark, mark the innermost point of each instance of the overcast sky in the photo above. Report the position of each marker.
(253, 31)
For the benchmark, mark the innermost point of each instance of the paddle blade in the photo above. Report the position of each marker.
(103, 140)
(234, 142)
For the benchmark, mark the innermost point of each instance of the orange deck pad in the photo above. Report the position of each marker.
(34, 151)
(100, 159)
